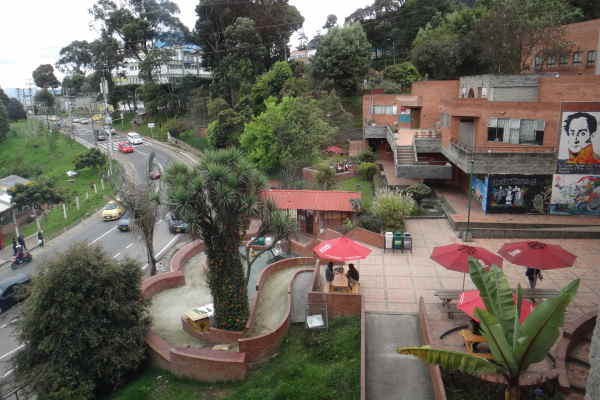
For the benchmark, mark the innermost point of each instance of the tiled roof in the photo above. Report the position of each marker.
(318, 200)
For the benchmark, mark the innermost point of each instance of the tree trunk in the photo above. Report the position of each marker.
(151, 261)
(227, 283)
(513, 391)
(593, 381)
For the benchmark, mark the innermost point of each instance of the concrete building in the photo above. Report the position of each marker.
(6, 207)
(302, 56)
(185, 61)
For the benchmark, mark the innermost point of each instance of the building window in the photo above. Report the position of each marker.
(577, 57)
(385, 110)
(538, 61)
(591, 58)
(516, 131)
(564, 59)
(551, 60)
(445, 120)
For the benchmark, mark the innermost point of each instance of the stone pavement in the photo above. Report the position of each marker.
(394, 281)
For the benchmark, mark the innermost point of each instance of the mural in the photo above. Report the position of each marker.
(516, 193)
(479, 186)
(575, 194)
(579, 148)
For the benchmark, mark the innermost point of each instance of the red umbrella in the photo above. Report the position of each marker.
(470, 300)
(341, 249)
(456, 256)
(537, 255)
(335, 149)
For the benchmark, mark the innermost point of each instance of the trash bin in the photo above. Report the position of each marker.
(398, 241)
(407, 241)
(389, 239)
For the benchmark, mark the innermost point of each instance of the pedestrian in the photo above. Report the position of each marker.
(329, 272)
(352, 274)
(40, 236)
(22, 242)
(14, 246)
(533, 274)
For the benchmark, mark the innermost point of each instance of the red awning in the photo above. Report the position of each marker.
(341, 249)
(317, 200)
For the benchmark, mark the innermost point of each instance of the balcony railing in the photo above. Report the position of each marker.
(501, 148)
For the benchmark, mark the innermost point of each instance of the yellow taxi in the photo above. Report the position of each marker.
(112, 210)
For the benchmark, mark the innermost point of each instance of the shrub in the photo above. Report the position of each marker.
(371, 223)
(418, 191)
(326, 176)
(367, 171)
(392, 207)
(366, 156)
(176, 126)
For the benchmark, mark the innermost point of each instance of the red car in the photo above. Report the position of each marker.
(125, 147)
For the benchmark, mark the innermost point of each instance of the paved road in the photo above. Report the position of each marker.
(94, 231)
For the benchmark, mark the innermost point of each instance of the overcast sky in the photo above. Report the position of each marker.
(34, 31)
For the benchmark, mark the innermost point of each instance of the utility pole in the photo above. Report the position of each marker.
(107, 121)
(468, 236)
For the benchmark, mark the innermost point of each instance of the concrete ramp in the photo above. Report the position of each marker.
(300, 289)
(389, 375)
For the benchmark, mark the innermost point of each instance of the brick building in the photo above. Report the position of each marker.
(583, 57)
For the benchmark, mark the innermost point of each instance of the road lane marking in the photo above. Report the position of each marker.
(10, 371)
(159, 254)
(101, 236)
(2, 357)
(116, 255)
(129, 245)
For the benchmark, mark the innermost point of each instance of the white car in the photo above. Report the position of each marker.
(135, 138)
(84, 121)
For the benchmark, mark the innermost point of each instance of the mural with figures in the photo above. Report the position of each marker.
(575, 194)
(579, 148)
(516, 193)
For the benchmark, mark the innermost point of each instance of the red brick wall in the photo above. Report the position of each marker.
(570, 88)
(310, 174)
(161, 282)
(385, 100)
(208, 365)
(439, 390)
(366, 236)
(213, 335)
(432, 93)
(584, 36)
(338, 304)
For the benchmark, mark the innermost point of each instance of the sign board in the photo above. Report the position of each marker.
(579, 148)
(151, 125)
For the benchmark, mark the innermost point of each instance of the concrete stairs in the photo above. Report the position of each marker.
(405, 155)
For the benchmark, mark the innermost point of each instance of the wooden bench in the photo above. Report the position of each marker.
(470, 339)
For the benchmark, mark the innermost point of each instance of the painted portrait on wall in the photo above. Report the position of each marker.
(579, 147)
(575, 194)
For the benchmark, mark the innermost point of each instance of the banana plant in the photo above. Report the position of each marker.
(514, 345)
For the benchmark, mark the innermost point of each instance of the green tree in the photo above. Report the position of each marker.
(44, 98)
(83, 327)
(4, 125)
(589, 8)
(330, 22)
(15, 110)
(403, 74)
(367, 171)
(72, 84)
(43, 76)
(343, 57)
(93, 158)
(75, 58)
(290, 133)
(270, 84)
(225, 131)
(35, 194)
(326, 176)
(140, 25)
(391, 208)
(3, 98)
(514, 345)
(512, 32)
(217, 199)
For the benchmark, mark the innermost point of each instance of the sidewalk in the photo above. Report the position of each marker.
(6, 253)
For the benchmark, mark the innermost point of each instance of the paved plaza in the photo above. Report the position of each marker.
(394, 281)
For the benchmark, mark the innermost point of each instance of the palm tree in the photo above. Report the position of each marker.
(217, 199)
(515, 346)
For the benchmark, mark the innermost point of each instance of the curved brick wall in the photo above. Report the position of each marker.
(211, 365)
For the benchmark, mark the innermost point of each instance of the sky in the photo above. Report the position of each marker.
(34, 31)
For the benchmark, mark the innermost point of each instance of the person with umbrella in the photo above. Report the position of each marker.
(533, 274)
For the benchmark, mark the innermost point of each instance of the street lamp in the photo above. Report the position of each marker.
(468, 236)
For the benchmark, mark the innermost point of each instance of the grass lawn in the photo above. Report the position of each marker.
(158, 132)
(31, 152)
(356, 184)
(310, 365)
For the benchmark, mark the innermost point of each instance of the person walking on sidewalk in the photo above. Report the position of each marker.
(22, 242)
(14, 246)
(40, 236)
(533, 274)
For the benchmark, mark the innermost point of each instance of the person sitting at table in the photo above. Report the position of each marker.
(352, 274)
(329, 272)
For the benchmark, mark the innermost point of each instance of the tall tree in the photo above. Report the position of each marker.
(3, 98)
(217, 199)
(76, 57)
(36, 194)
(513, 31)
(142, 26)
(44, 98)
(343, 57)
(15, 110)
(514, 345)
(4, 125)
(43, 76)
(589, 8)
(225, 131)
(290, 133)
(83, 327)
(330, 22)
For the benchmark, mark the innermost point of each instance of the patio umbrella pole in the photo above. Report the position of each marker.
(464, 278)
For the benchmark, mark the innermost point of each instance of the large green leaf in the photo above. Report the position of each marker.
(453, 360)
(541, 328)
(496, 294)
(497, 339)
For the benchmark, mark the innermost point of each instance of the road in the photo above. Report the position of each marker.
(96, 232)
